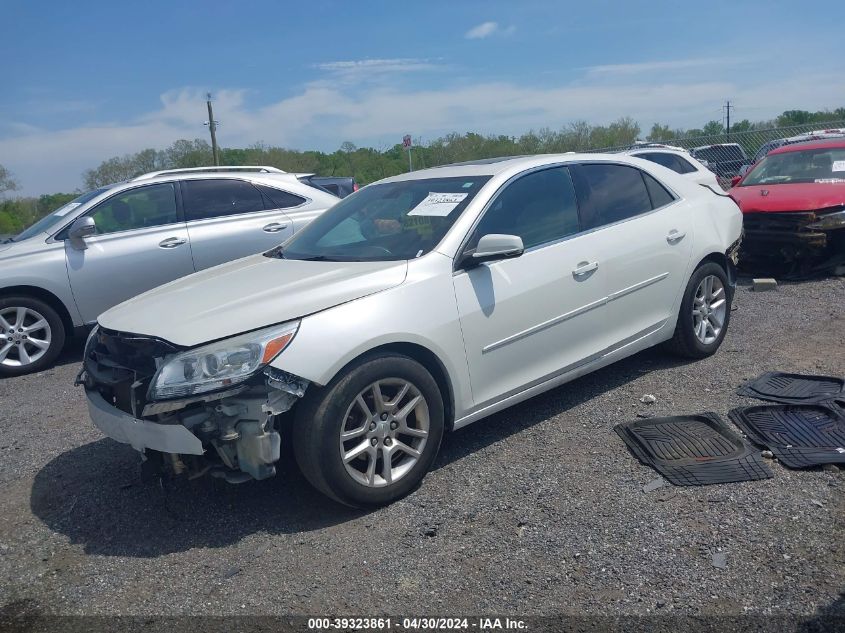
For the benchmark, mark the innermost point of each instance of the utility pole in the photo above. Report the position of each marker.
(407, 143)
(212, 127)
(727, 108)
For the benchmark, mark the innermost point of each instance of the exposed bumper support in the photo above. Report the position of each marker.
(140, 434)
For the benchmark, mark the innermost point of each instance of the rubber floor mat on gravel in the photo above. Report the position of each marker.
(793, 388)
(799, 436)
(693, 450)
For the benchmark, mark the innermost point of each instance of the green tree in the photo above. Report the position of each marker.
(713, 128)
(660, 133)
(7, 182)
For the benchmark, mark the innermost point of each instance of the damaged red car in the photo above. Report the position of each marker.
(793, 205)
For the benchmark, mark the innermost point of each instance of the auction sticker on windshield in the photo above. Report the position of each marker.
(838, 165)
(438, 204)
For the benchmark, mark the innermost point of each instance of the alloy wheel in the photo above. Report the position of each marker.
(25, 336)
(709, 309)
(384, 432)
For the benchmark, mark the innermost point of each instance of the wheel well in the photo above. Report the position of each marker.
(435, 367)
(47, 297)
(717, 258)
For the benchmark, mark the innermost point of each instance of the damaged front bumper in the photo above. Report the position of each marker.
(232, 434)
(793, 243)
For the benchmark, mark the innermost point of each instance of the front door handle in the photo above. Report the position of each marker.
(584, 268)
(172, 242)
(675, 236)
(274, 227)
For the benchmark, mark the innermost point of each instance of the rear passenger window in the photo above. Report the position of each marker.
(278, 199)
(659, 195)
(539, 207)
(672, 161)
(610, 193)
(217, 198)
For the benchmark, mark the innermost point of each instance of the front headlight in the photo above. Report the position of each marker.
(90, 340)
(829, 221)
(221, 364)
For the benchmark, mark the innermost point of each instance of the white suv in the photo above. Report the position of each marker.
(419, 304)
(118, 241)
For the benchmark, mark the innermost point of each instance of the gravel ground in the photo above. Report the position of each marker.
(539, 509)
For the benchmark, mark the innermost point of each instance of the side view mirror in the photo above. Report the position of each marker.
(735, 180)
(495, 246)
(79, 230)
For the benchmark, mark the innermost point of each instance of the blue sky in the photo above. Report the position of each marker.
(85, 81)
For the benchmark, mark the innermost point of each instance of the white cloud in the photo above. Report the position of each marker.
(323, 114)
(485, 29)
(650, 67)
(399, 64)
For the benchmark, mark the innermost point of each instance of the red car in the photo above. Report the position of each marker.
(793, 205)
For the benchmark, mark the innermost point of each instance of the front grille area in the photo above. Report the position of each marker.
(120, 366)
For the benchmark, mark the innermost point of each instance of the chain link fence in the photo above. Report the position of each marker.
(729, 155)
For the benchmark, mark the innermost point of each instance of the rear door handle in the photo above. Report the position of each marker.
(274, 227)
(585, 268)
(675, 236)
(172, 242)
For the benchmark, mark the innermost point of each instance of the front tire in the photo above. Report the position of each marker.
(370, 436)
(704, 315)
(32, 335)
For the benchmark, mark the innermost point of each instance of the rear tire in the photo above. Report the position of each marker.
(32, 335)
(704, 314)
(390, 410)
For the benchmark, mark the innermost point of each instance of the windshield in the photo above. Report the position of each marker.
(44, 224)
(719, 153)
(817, 165)
(391, 221)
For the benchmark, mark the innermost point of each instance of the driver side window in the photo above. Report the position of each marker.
(539, 207)
(153, 205)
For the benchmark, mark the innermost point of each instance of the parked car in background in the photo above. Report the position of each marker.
(723, 159)
(793, 203)
(678, 160)
(799, 138)
(336, 185)
(422, 303)
(113, 243)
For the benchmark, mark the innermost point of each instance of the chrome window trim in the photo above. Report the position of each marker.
(254, 183)
(676, 199)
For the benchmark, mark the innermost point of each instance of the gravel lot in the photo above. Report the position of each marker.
(537, 510)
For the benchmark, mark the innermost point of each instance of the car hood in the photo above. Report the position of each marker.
(248, 294)
(808, 196)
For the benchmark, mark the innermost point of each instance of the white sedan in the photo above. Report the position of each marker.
(418, 305)
(680, 161)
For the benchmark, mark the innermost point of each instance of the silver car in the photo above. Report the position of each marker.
(113, 243)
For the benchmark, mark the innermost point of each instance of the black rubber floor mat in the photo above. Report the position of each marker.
(793, 388)
(800, 436)
(693, 450)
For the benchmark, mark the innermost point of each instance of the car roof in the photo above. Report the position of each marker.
(503, 164)
(716, 145)
(680, 151)
(829, 143)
